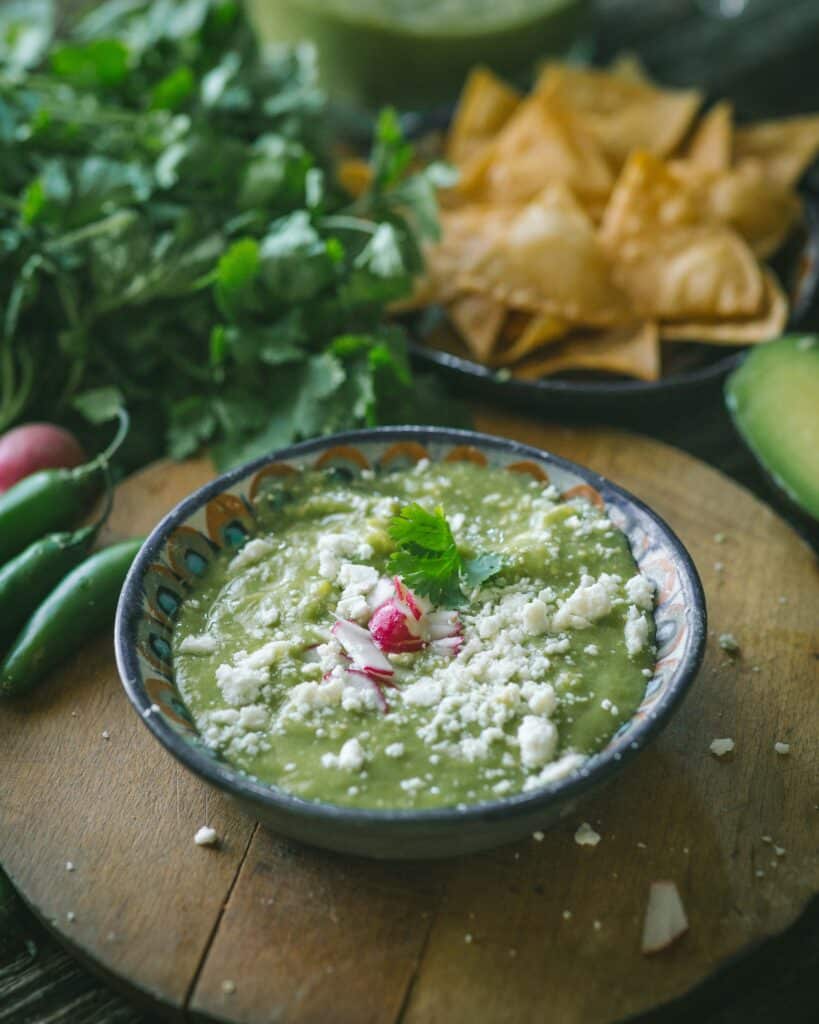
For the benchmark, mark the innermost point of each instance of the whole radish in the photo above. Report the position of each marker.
(34, 446)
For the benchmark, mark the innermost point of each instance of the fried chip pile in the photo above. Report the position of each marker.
(601, 215)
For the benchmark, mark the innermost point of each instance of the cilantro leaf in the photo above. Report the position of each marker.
(428, 559)
(481, 568)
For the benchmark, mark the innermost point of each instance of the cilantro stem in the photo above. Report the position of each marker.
(341, 222)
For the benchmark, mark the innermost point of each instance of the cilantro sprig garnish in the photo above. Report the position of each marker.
(428, 560)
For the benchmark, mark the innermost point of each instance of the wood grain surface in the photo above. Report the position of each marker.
(260, 930)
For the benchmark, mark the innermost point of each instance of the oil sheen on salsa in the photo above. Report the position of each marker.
(280, 660)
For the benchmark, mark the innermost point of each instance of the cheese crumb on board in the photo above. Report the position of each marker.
(206, 836)
(586, 836)
(721, 747)
(728, 642)
(665, 919)
(782, 748)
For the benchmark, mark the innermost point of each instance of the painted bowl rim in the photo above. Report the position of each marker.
(235, 782)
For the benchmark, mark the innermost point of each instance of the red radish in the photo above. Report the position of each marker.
(665, 919)
(35, 446)
(407, 623)
(392, 629)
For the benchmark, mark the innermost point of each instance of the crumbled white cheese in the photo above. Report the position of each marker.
(252, 552)
(206, 836)
(395, 750)
(265, 656)
(728, 642)
(542, 699)
(412, 785)
(69, 866)
(361, 577)
(425, 693)
(253, 717)
(333, 546)
(555, 771)
(636, 631)
(240, 684)
(198, 645)
(351, 756)
(538, 740)
(640, 591)
(538, 837)
(535, 617)
(586, 836)
(721, 747)
(349, 759)
(590, 601)
(782, 748)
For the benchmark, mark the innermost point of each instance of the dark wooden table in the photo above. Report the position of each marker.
(766, 62)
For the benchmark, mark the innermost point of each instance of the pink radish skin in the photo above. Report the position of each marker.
(36, 446)
(390, 628)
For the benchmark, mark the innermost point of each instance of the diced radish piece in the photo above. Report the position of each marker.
(443, 624)
(406, 596)
(360, 646)
(448, 644)
(665, 919)
(359, 678)
(395, 630)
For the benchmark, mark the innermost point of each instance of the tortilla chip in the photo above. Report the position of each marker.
(631, 352)
(354, 175)
(763, 327)
(538, 146)
(673, 262)
(690, 273)
(762, 211)
(711, 146)
(486, 103)
(466, 234)
(547, 259)
(629, 67)
(648, 197)
(622, 114)
(537, 331)
(478, 319)
(785, 148)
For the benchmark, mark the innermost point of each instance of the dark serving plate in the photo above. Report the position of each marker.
(700, 370)
(623, 399)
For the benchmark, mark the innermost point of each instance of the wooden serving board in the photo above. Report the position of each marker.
(260, 930)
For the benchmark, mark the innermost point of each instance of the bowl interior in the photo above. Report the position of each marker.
(221, 515)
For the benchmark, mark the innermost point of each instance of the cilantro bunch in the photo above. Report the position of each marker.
(170, 227)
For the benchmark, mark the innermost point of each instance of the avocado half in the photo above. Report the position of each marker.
(773, 399)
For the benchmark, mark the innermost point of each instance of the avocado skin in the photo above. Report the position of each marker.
(773, 401)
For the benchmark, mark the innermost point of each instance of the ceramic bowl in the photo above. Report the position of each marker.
(220, 514)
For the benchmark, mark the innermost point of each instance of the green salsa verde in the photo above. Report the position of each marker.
(281, 660)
